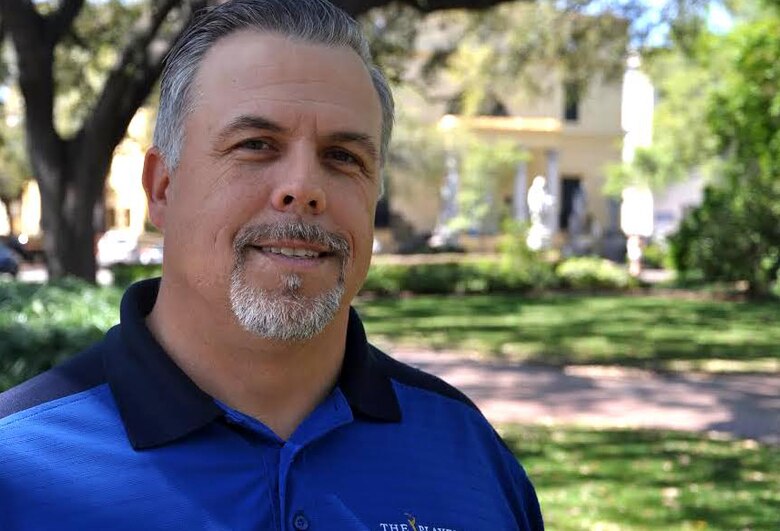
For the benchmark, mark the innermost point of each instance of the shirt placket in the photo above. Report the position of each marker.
(297, 510)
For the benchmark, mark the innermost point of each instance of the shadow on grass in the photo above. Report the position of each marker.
(649, 479)
(647, 332)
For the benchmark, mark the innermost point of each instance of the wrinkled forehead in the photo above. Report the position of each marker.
(249, 54)
(250, 68)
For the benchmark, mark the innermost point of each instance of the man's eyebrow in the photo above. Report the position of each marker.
(247, 122)
(365, 141)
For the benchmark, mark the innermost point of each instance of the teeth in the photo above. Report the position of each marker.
(289, 251)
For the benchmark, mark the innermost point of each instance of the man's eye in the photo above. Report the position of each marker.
(343, 156)
(255, 145)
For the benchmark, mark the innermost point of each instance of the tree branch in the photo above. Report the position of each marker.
(60, 22)
(358, 7)
(22, 21)
(35, 56)
(133, 77)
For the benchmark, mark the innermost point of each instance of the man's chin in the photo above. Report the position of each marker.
(286, 314)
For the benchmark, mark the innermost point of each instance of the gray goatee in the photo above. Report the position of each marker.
(285, 314)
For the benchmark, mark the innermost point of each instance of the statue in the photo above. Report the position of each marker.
(580, 240)
(443, 234)
(539, 204)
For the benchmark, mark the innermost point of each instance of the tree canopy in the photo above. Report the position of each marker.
(84, 68)
(735, 234)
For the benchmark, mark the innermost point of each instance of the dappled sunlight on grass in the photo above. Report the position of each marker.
(650, 332)
(620, 479)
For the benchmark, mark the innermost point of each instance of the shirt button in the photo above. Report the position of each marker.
(300, 522)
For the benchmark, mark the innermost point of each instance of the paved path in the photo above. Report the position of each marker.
(746, 406)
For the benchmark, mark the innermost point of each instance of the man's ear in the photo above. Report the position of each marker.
(156, 181)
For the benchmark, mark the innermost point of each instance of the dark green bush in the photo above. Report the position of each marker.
(41, 325)
(591, 272)
(126, 274)
(386, 279)
(472, 276)
(656, 255)
(729, 238)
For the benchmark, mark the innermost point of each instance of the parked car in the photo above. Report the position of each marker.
(151, 253)
(9, 264)
(21, 246)
(117, 246)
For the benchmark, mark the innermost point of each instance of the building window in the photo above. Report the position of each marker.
(571, 102)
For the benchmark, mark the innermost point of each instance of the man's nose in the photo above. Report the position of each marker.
(302, 190)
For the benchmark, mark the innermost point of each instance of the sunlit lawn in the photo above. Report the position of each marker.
(617, 479)
(645, 331)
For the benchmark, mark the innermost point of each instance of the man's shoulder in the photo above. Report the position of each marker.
(417, 379)
(453, 427)
(79, 373)
(454, 409)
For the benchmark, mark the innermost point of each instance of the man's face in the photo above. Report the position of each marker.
(270, 211)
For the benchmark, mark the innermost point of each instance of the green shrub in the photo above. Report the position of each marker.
(521, 268)
(725, 240)
(485, 275)
(40, 325)
(590, 272)
(126, 274)
(656, 255)
(430, 278)
(384, 279)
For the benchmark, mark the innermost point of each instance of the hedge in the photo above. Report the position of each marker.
(40, 325)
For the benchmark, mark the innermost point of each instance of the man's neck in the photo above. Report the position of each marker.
(278, 383)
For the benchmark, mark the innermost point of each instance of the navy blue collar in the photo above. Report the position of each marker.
(159, 403)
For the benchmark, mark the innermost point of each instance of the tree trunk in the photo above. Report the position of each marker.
(66, 219)
(358, 7)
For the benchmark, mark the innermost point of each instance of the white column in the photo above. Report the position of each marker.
(520, 206)
(449, 191)
(554, 189)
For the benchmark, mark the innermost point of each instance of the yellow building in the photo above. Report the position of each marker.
(568, 140)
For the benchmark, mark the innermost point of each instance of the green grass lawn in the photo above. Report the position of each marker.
(642, 331)
(618, 479)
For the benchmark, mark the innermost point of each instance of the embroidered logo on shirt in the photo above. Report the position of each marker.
(412, 525)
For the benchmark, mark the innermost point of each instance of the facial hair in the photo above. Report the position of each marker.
(285, 314)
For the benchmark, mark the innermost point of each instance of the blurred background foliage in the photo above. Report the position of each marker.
(735, 233)
(41, 325)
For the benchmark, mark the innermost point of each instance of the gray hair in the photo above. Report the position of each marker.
(314, 21)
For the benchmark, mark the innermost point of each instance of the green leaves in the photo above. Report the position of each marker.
(85, 57)
(41, 325)
(735, 233)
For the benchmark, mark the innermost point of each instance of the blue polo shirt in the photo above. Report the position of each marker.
(120, 438)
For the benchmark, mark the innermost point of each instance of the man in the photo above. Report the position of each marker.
(239, 391)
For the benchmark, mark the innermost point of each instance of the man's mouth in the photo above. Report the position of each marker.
(295, 245)
(292, 252)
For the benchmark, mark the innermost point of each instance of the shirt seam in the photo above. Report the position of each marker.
(468, 406)
(48, 406)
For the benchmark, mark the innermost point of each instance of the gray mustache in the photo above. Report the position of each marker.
(294, 230)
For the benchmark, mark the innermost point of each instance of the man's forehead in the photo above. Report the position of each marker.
(249, 71)
(263, 52)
